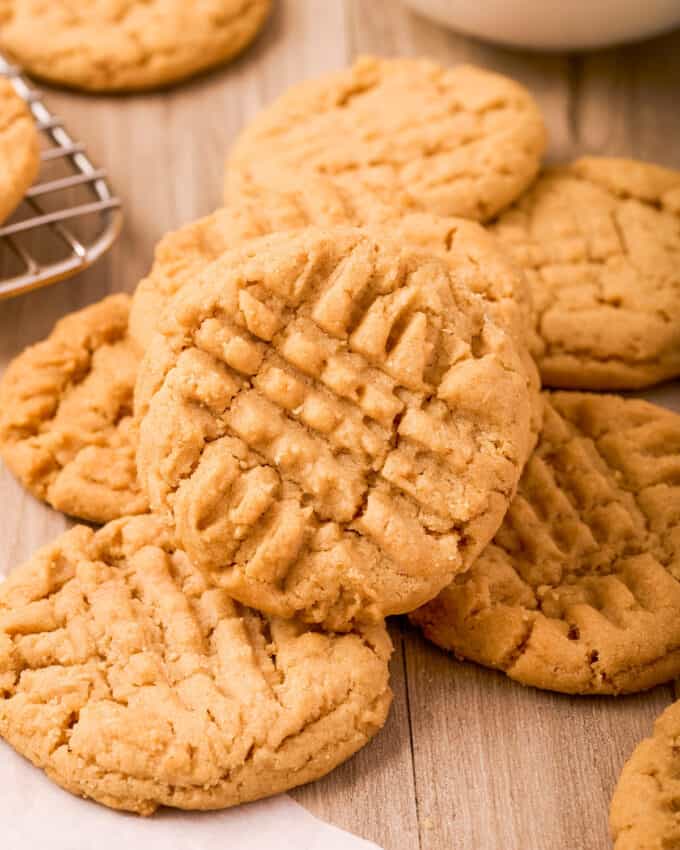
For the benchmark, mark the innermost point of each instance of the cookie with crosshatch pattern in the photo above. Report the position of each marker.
(599, 240)
(580, 590)
(131, 679)
(333, 423)
(407, 132)
(475, 258)
(478, 259)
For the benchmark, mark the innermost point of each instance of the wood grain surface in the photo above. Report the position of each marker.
(468, 760)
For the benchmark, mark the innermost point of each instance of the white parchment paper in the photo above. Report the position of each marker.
(35, 814)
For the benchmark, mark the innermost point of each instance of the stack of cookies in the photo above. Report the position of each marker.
(323, 407)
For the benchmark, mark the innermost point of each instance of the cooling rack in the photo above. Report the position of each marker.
(68, 218)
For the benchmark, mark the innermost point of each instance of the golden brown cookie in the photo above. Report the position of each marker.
(580, 590)
(19, 149)
(333, 422)
(476, 258)
(408, 132)
(473, 255)
(646, 802)
(121, 45)
(181, 255)
(66, 427)
(600, 242)
(131, 680)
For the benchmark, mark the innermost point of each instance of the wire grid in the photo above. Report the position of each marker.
(55, 208)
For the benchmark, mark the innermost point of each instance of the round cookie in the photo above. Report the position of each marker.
(126, 45)
(600, 242)
(408, 132)
(181, 255)
(131, 680)
(66, 427)
(473, 255)
(334, 424)
(644, 808)
(19, 149)
(580, 590)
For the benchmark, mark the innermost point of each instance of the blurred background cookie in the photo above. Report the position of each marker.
(19, 149)
(453, 141)
(123, 45)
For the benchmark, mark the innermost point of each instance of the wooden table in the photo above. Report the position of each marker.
(468, 759)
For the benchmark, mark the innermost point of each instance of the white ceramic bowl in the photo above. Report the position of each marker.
(554, 24)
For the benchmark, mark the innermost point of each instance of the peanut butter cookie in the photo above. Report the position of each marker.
(415, 135)
(334, 424)
(644, 808)
(181, 255)
(475, 258)
(600, 242)
(120, 45)
(580, 590)
(131, 680)
(66, 427)
(19, 149)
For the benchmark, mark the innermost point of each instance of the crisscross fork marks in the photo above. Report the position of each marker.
(133, 680)
(349, 381)
(407, 132)
(585, 561)
(600, 241)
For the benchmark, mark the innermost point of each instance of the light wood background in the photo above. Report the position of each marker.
(468, 760)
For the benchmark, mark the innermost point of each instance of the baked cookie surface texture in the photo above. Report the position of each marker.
(644, 808)
(131, 680)
(475, 257)
(19, 149)
(66, 426)
(122, 45)
(600, 242)
(334, 424)
(580, 590)
(420, 137)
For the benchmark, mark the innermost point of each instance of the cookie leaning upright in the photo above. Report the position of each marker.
(580, 590)
(66, 428)
(476, 259)
(420, 137)
(131, 680)
(19, 149)
(600, 242)
(125, 45)
(644, 808)
(182, 254)
(334, 424)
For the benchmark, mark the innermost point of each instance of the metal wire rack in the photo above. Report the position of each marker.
(68, 218)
